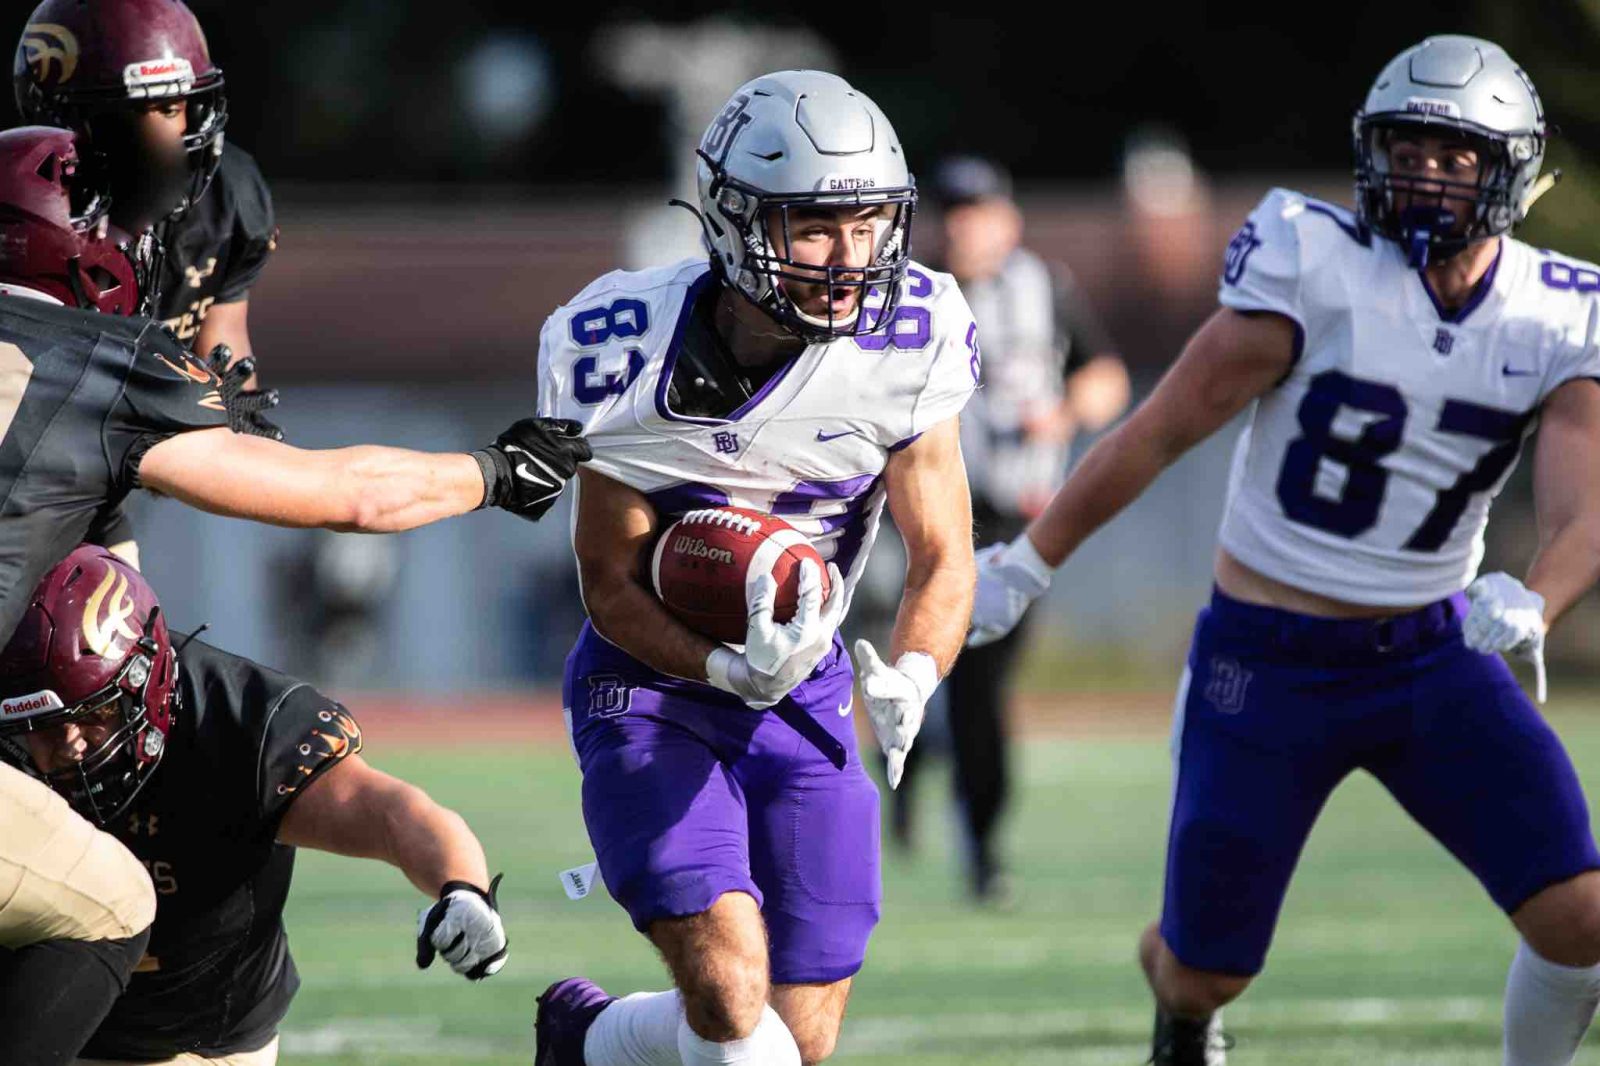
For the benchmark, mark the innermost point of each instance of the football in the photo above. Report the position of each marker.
(703, 562)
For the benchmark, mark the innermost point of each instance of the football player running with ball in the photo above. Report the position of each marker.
(811, 371)
(1396, 359)
(212, 769)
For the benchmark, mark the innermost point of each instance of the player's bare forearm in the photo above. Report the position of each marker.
(1230, 361)
(615, 527)
(932, 508)
(364, 489)
(1566, 472)
(358, 811)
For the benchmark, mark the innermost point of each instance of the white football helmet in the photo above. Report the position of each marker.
(1469, 87)
(803, 138)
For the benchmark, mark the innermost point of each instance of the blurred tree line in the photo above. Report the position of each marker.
(500, 91)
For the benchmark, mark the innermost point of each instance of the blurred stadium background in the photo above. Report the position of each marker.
(445, 175)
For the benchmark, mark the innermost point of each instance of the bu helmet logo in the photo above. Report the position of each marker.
(46, 43)
(725, 127)
(101, 634)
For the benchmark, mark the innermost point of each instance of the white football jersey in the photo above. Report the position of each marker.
(810, 446)
(1367, 474)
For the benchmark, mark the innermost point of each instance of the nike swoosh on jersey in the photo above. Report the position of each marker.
(824, 438)
(1513, 373)
(844, 709)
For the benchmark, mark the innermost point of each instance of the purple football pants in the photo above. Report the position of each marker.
(688, 793)
(1281, 707)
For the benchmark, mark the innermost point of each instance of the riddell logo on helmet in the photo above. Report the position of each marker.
(45, 44)
(168, 76)
(31, 704)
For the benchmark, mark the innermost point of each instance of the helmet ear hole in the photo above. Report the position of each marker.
(47, 168)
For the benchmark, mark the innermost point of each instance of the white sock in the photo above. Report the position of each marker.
(636, 1030)
(770, 1045)
(1548, 1009)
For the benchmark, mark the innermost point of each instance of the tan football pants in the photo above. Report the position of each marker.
(60, 877)
(267, 1056)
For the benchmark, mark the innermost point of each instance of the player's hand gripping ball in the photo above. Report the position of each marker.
(707, 563)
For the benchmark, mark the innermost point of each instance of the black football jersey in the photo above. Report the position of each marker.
(83, 396)
(215, 252)
(217, 978)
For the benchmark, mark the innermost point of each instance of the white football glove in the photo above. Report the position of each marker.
(465, 928)
(895, 697)
(1507, 617)
(778, 657)
(1010, 577)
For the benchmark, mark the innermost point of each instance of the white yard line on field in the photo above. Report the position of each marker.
(405, 1036)
(866, 1035)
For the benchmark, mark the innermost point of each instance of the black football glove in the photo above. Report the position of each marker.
(526, 467)
(244, 406)
(464, 927)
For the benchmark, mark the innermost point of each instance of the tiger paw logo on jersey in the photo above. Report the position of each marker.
(102, 628)
(46, 45)
(334, 737)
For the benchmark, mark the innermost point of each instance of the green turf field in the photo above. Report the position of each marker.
(1387, 954)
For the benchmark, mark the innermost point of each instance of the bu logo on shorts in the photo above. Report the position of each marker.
(609, 696)
(1226, 687)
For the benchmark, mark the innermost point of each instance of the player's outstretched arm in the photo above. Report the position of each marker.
(355, 810)
(932, 508)
(1566, 474)
(367, 488)
(364, 489)
(1230, 361)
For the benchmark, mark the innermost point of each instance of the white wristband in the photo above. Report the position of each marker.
(922, 670)
(1025, 557)
(718, 665)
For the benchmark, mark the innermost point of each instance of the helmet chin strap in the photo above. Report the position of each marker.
(1420, 224)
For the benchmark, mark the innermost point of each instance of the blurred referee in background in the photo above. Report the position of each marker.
(1050, 372)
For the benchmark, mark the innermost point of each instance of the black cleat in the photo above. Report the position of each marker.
(1189, 1041)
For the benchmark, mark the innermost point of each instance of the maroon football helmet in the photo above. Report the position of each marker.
(91, 648)
(55, 235)
(80, 61)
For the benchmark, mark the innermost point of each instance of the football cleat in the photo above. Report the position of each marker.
(1189, 1041)
(566, 1010)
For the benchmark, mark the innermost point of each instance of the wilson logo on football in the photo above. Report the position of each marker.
(696, 548)
(31, 704)
(101, 634)
(46, 45)
(168, 76)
